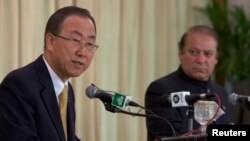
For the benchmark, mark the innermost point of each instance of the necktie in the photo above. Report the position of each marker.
(63, 101)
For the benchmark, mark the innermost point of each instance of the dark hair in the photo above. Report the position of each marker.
(202, 29)
(56, 20)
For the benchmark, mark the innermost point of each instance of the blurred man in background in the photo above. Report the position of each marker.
(198, 54)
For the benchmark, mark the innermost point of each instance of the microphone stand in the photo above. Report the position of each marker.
(191, 114)
(190, 117)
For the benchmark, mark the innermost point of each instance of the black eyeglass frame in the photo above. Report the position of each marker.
(88, 46)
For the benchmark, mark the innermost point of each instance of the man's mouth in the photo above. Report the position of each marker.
(78, 63)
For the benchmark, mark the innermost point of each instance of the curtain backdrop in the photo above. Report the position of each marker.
(138, 44)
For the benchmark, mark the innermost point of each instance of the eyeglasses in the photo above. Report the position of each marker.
(89, 46)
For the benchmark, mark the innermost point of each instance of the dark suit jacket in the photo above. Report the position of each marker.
(28, 106)
(177, 116)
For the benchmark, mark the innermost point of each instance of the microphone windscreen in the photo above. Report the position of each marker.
(232, 98)
(165, 101)
(209, 95)
(90, 91)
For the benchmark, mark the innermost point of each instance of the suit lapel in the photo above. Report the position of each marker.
(71, 114)
(49, 97)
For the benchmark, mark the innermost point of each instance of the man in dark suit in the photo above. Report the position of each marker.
(198, 52)
(29, 96)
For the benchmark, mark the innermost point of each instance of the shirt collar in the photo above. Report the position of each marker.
(182, 74)
(58, 84)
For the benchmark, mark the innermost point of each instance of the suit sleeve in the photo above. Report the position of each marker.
(17, 115)
(157, 127)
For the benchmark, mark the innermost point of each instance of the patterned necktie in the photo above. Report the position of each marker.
(63, 101)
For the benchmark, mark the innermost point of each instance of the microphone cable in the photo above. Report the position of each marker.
(109, 107)
(115, 109)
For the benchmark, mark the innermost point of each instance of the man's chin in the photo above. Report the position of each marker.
(200, 77)
(76, 74)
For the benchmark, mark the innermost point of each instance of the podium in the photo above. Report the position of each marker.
(198, 137)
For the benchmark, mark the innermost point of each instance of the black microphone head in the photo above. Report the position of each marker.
(91, 91)
(94, 92)
(191, 99)
(232, 98)
(209, 95)
(165, 101)
(235, 98)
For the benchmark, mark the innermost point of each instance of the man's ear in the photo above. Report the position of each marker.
(180, 55)
(216, 61)
(49, 41)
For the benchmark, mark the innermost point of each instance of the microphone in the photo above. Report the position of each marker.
(179, 99)
(93, 92)
(235, 98)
